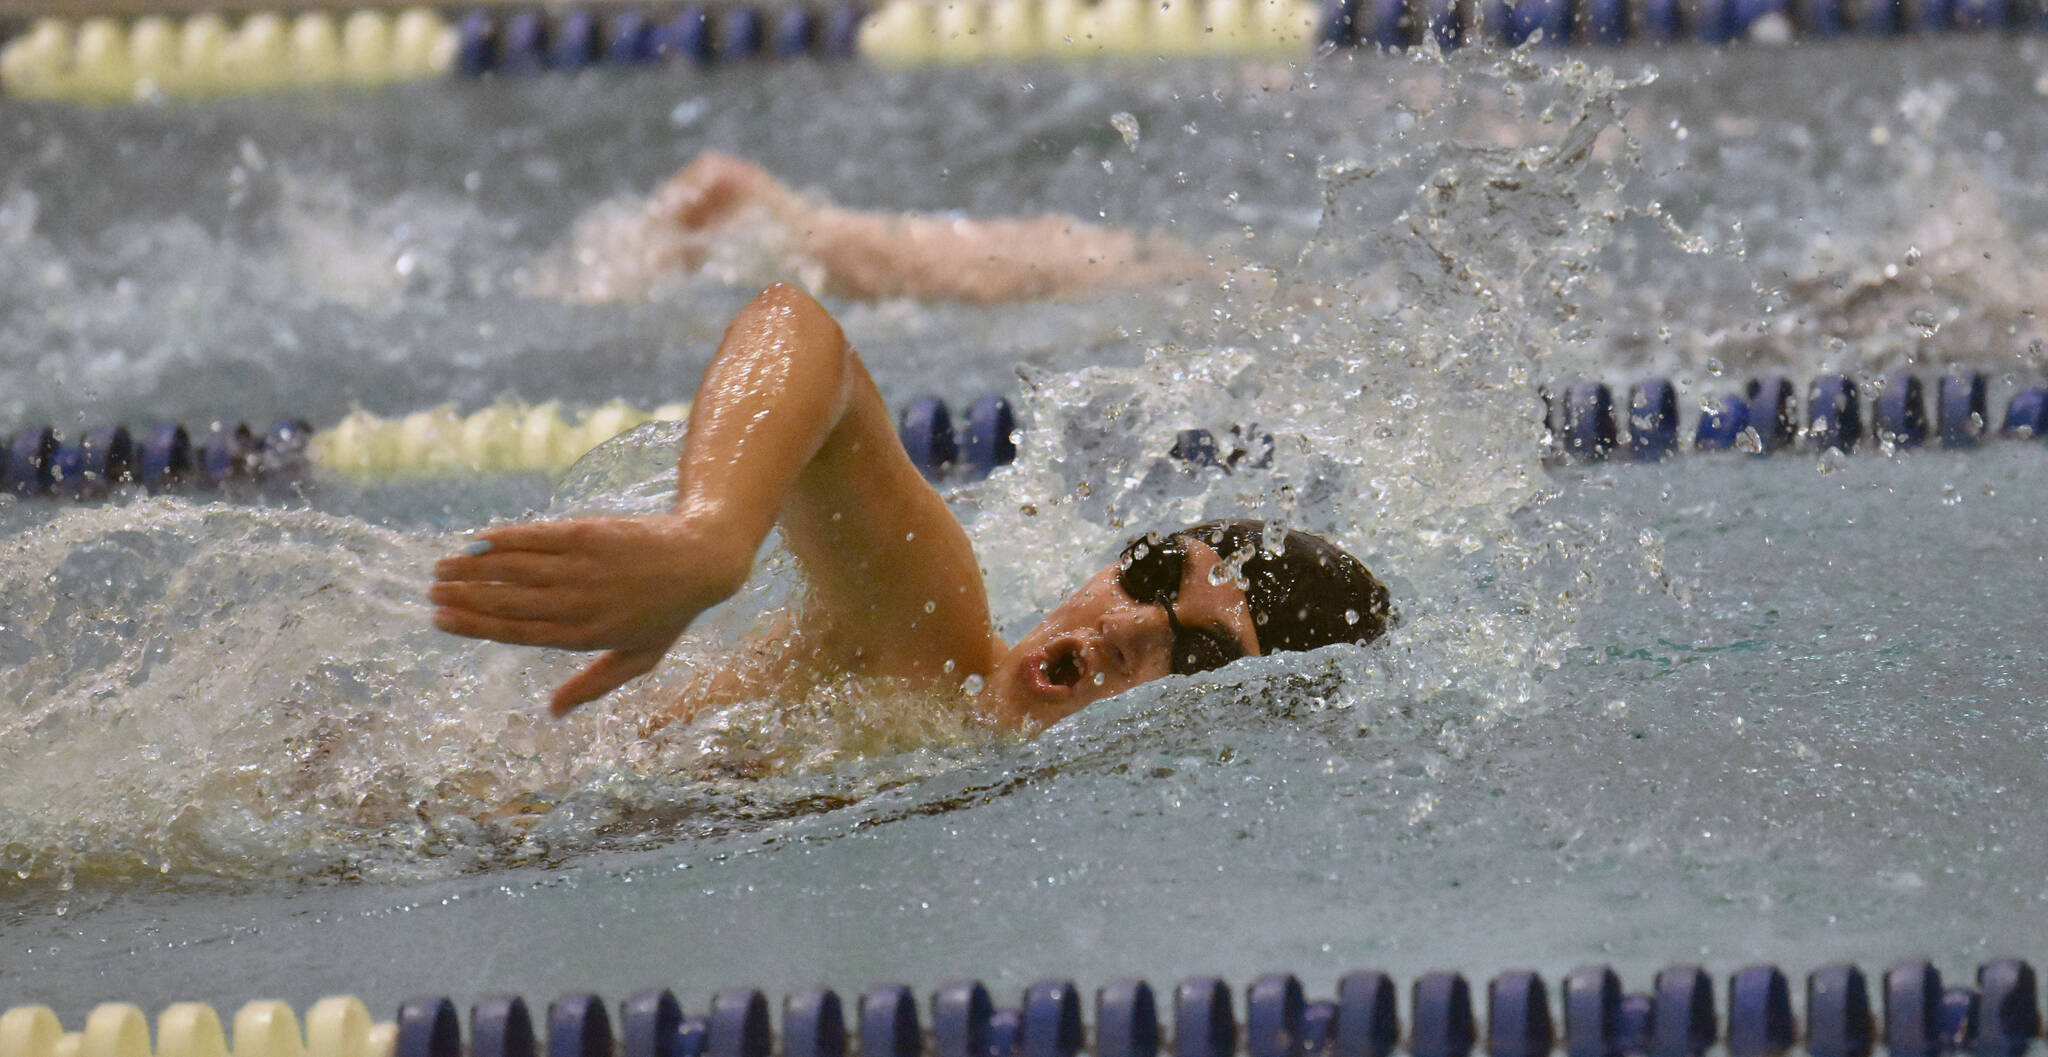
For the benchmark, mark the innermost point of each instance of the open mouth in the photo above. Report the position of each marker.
(1063, 667)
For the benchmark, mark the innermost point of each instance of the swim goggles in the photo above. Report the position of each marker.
(1149, 571)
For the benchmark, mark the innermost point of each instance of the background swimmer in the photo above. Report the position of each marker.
(788, 431)
(731, 217)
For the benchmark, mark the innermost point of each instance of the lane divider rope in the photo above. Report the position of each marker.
(230, 459)
(107, 60)
(1913, 1014)
(1585, 424)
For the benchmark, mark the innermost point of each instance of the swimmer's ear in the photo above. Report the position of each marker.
(611, 670)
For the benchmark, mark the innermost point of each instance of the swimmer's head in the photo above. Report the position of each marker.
(1189, 602)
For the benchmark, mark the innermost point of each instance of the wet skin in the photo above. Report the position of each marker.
(789, 432)
(1099, 642)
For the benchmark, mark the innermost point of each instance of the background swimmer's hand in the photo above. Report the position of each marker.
(709, 190)
(628, 586)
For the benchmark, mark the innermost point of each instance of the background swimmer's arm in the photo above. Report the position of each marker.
(988, 261)
(786, 426)
(871, 255)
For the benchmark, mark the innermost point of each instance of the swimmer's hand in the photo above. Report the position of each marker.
(628, 586)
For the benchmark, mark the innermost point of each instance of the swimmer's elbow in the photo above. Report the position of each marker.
(794, 315)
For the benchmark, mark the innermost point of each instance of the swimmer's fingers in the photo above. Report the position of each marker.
(602, 676)
(504, 567)
(542, 537)
(515, 601)
(553, 634)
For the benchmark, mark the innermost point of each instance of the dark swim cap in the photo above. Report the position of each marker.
(1310, 594)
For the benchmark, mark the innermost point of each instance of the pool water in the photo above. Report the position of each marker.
(1720, 709)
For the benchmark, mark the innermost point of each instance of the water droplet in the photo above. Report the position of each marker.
(1126, 126)
(931, 607)
(1351, 616)
(973, 684)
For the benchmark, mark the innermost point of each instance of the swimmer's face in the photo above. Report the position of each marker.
(1101, 641)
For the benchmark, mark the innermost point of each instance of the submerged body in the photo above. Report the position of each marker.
(789, 432)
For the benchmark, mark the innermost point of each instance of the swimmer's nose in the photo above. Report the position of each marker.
(1132, 629)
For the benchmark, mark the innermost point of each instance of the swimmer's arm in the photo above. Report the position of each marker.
(786, 426)
(869, 255)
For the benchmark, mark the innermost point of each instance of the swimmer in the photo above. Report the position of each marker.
(789, 432)
(720, 213)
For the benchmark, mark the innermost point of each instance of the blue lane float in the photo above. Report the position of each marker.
(1683, 1024)
(578, 1026)
(106, 457)
(523, 45)
(795, 31)
(741, 35)
(1721, 424)
(31, 461)
(1203, 1023)
(501, 1026)
(1633, 1022)
(165, 458)
(1126, 1020)
(889, 1023)
(1368, 1016)
(1760, 1013)
(961, 1012)
(692, 1038)
(1838, 1019)
(428, 1027)
(686, 37)
(926, 428)
(738, 1025)
(1959, 1006)
(1050, 1025)
(630, 41)
(990, 439)
(1589, 421)
(1518, 1016)
(577, 42)
(1899, 414)
(649, 1020)
(1834, 417)
(1960, 410)
(1652, 420)
(1773, 412)
(2026, 416)
(813, 1025)
(1592, 1012)
(1274, 1010)
(1443, 1024)
(1912, 1010)
(223, 459)
(2009, 1012)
